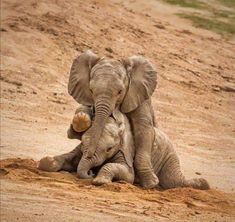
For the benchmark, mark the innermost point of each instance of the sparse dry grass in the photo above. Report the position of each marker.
(219, 20)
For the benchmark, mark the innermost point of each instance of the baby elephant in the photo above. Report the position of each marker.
(115, 153)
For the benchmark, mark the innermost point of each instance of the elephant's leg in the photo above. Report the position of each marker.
(114, 171)
(170, 176)
(81, 122)
(142, 161)
(72, 134)
(61, 162)
(143, 131)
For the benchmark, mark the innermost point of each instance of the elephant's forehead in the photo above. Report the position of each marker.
(110, 133)
(108, 67)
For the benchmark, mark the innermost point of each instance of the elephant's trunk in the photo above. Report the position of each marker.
(83, 168)
(103, 109)
(86, 164)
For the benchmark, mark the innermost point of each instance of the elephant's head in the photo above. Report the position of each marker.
(107, 84)
(114, 139)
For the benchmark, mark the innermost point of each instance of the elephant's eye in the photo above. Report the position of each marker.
(119, 92)
(91, 91)
(109, 149)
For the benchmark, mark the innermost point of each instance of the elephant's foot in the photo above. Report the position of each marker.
(199, 183)
(99, 180)
(81, 122)
(148, 182)
(50, 164)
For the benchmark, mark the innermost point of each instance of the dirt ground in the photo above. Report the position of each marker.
(194, 104)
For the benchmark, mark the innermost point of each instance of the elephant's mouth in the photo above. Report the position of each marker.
(95, 170)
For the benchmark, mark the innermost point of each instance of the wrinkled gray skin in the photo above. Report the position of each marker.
(107, 84)
(115, 143)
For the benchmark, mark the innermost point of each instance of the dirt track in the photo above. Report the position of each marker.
(194, 104)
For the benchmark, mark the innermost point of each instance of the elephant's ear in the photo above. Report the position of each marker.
(127, 146)
(78, 86)
(143, 81)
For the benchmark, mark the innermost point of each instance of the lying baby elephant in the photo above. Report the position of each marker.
(115, 153)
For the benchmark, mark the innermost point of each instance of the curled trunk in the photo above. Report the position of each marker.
(86, 164)
(83, 168)
(103, 110)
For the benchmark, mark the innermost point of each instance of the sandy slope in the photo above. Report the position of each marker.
(194, 104)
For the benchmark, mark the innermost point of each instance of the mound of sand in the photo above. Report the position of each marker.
(36, 190)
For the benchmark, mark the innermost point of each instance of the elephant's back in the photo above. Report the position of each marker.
(161, 139)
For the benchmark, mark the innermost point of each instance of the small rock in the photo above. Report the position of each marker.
(159, 26)
(41, 28)
(186, 32)
(216, 88)
(145, 212)
(206, 107)
(192, 144)
(3, 172)
(53, 32)
(108, 49)
(73, 208)
(198, 173)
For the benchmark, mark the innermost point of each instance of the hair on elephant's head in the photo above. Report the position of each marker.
(107, 84)
(116, 137)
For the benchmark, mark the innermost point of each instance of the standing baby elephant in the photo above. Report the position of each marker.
(128, 84)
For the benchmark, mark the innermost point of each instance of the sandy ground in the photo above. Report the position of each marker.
(194, 104)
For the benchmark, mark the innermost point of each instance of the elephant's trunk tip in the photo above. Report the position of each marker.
(84, 174)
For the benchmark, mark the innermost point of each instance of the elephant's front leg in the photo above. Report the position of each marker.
(143, 130)
(114, 171)
(61, 162)
(142, 162)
